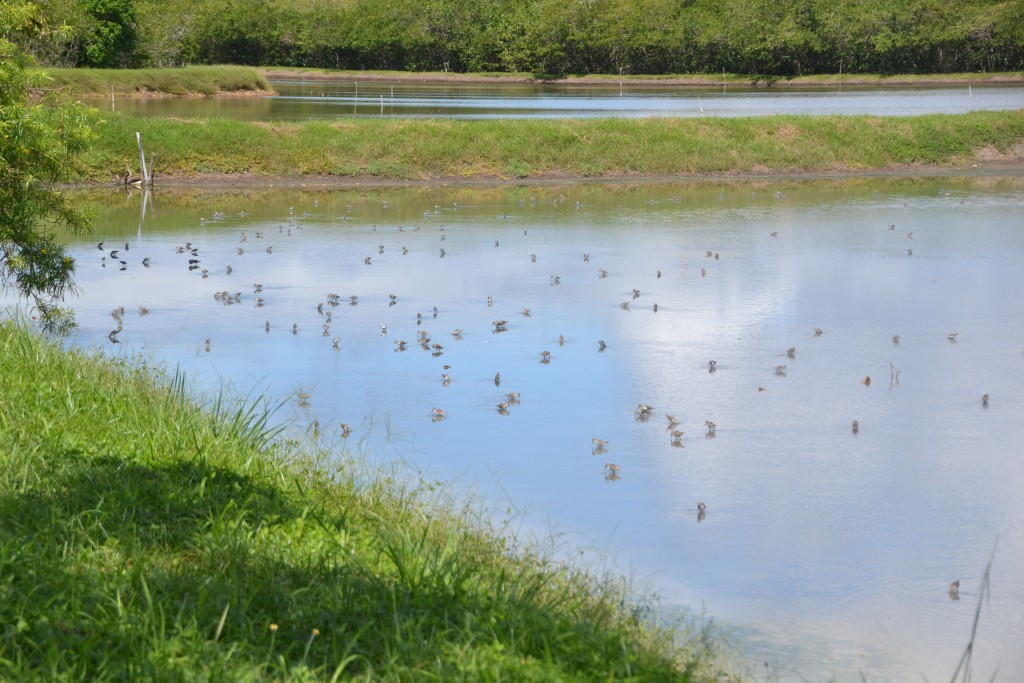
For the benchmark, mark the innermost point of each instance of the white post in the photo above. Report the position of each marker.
(142, 159)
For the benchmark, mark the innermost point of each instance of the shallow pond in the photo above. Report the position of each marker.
(825, 552)
(333, 99)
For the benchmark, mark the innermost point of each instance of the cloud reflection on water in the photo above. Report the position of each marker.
(822, 542)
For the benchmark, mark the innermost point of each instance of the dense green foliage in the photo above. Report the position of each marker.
(143, 537)
(425, 150)
(38, 147)
(782, 38)
(112, 40)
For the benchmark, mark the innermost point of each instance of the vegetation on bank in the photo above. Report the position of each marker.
(189, 80)
(444, 149)
(675, 80)
(242, 80)
(769, 37)
(143, 536)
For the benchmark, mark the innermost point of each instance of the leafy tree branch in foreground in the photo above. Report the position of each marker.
(39, 144)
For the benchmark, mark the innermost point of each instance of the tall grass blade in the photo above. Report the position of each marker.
(964, 668)
(220, 624)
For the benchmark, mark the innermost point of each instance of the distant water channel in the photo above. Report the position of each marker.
(299, 100)
(825, 551)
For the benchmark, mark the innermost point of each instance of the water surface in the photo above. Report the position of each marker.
(826, 552)
(299, 100)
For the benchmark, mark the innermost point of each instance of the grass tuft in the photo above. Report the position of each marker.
(178, 82)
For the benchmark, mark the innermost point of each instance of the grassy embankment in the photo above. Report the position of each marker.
(144, 537)
(233, 80)
(444, 149)
(659, 80)
(181, 82)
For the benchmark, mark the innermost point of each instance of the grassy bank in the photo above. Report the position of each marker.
(180, 82)
(144, 537)
(444, 149)
(660, 80)
(229, 80)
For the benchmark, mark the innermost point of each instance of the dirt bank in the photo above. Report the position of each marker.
(1003, 165)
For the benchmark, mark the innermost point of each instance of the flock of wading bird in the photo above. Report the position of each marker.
(423, 339)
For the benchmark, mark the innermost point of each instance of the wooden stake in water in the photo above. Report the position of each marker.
(382, 103)
(142, 159)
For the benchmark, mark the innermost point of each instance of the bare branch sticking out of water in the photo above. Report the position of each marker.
(894, 376)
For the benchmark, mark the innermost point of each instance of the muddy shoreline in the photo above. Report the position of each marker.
(215, 181)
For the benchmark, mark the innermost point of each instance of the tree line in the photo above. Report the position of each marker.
(769, 37)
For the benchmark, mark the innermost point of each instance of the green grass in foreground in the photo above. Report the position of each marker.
(144, 537)
(431, 149)
(188, 80)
